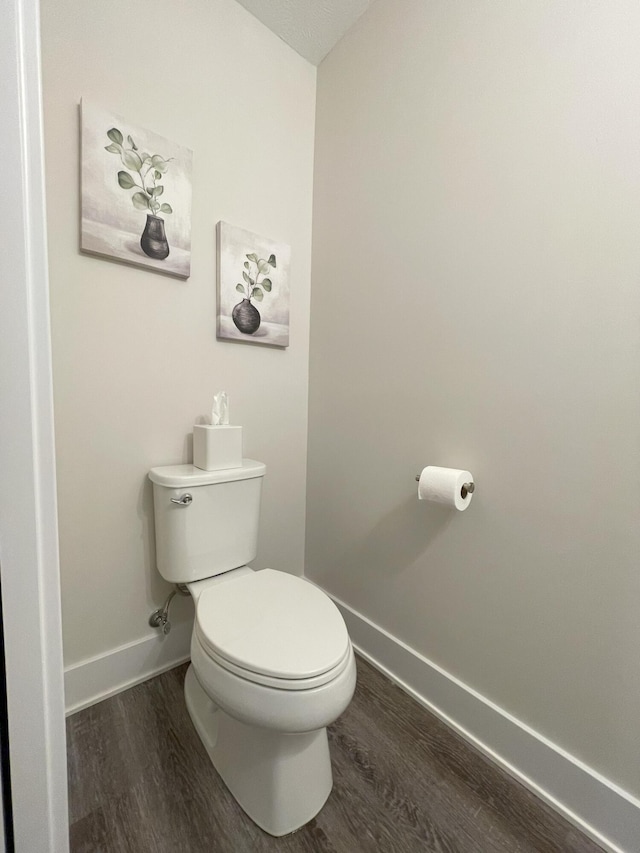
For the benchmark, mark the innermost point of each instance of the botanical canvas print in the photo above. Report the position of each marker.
(136, 194)
(253, 287)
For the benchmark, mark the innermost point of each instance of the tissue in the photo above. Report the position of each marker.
(220, 409)
(217, 445)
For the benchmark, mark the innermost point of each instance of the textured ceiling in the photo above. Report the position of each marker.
(311, 27)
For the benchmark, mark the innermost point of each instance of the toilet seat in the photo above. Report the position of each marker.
(274, 681)
(275, 629)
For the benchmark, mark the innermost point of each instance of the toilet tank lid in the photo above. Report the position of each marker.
(182, 476)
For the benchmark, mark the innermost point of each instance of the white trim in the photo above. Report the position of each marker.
(92, 680)
(28, 519)
(598, 807)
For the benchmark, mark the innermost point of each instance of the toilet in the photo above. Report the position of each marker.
(271, 661)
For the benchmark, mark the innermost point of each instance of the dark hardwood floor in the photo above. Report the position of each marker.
(141, 782)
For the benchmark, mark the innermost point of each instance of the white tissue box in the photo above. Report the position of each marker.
(217, 447)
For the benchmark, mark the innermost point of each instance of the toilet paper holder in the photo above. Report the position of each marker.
(465, 489)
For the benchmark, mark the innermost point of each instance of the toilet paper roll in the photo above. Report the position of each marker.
(444, 486)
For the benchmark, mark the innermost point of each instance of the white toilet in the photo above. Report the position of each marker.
(271, 660)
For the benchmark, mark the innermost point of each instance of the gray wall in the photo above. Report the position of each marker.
(135, 355)
(476, 294)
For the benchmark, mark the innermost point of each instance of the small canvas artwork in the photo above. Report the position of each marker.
(253, 288)
(136, 194)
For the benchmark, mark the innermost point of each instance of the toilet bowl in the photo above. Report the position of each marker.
(271, 661)
(261, 700)
(272, 650)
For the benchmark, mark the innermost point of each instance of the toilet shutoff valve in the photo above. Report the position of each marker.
(160, 618)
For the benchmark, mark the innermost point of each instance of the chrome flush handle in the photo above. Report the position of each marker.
(183, 500)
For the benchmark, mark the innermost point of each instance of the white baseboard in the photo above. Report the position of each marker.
(599, 808)
(92, 680)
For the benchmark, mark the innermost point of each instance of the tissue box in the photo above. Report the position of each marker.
(217, 447)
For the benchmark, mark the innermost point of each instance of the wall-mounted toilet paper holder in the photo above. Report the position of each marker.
(465, 489)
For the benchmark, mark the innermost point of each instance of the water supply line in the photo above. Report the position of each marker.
(160, 618)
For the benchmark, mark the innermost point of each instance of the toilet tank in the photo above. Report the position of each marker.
(215, 531)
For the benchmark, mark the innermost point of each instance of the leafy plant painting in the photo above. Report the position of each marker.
(257, 268)
(147, 170)
(136, 189)
(256, 283)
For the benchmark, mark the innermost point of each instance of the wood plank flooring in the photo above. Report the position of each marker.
(141, 782)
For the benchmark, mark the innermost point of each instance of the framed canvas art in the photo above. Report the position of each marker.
(136, 194)
(253, 287)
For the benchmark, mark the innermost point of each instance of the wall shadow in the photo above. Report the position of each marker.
(187, 447)
(157, 587)
(400, 537)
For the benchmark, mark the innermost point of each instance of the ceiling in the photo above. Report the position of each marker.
(310, 27)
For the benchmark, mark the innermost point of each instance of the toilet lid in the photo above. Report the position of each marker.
(274, 624)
